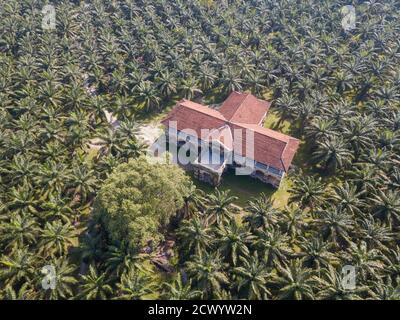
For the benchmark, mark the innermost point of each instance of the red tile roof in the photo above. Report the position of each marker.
(223, 135)
(191, 115)
(267, 148)
(239, 111)
(244, 108)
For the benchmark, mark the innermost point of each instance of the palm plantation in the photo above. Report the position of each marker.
(338, 90)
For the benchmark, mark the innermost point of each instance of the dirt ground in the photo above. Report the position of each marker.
(149, 132)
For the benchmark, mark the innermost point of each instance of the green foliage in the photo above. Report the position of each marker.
(138, 199)
(337, 91)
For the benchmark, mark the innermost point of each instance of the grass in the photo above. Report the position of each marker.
(281, 196)
(271, 122)
(245, 188)
(91, 154)
(154, 116)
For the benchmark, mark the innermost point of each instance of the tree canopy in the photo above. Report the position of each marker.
(137, 200)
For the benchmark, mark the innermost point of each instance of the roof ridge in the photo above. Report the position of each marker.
(255, 126)
(241, 103)
(200, 111)
(281, 157)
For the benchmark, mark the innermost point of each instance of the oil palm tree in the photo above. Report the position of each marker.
(321, 129)
(233, 240)
(368, 262)
(375, 234)
(83, 181)
(133, 59)
(359, 132)
(364, 176)
(333, 154)
(294, 281)
(315, 253)
(285, 105)
(135, 285)
(194, 200)
(261, 214)
(177, 290)
(21, 230)
(252, 276)
(25, 292)
(207, 77)
(272, 245)
(18, 267)
(23, 199)
(110, 141)
(385, 290)
(148, 96)
(308, 192)
(55, 208)
(167, 83)
(207, 272)
(335, 225)
(330, 287)
(64, 279)
(94, 285)
(196, 235)
(387, 205)
(56, 238)
(394, 257)
(348, 198)
(120, 259)
(231, 80)
(53, 177)
(219, 206)
(22, 169)
(293, 222)
(190, 88)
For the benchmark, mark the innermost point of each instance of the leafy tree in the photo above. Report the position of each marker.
(137, 200)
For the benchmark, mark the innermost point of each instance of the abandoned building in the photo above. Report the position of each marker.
(231, 136)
